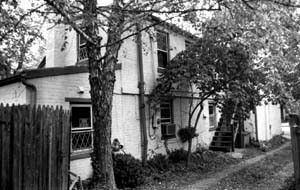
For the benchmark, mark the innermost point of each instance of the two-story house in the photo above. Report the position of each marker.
(63, 80)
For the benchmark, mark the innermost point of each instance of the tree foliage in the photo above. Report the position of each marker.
(215, 68)
(271, 31)
(20, 30)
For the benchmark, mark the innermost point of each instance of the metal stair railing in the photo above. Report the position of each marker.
(76, 183)
(234, 128)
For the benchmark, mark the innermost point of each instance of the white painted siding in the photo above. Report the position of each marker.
(268, 121)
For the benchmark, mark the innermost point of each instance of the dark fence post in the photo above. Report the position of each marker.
(294, 123)
(232, 137)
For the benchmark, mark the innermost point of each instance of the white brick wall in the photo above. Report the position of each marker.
(13, 94)
(82, 167)
(54, 90)
(126, 121)
(127, 56)
(55, 57)
(125, 115)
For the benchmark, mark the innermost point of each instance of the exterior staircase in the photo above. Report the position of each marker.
(222, 141)
(225, 134)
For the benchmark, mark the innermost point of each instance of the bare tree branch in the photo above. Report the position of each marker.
(247, 4)
(70, 21)
(284, 3)
(141, 30)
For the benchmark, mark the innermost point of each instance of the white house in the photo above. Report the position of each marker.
(63, 80)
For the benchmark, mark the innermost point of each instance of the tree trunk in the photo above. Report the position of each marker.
(102, 85)
(189, 152)
(102, 79)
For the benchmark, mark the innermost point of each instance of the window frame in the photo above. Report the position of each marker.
(80, 46)
(82, 153)
(167, 51)
(171, 120)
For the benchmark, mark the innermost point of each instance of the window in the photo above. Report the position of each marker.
(162, 49)
(212, 115)
(82, 51)
(82, 128)
(283, 114)
(168, 130)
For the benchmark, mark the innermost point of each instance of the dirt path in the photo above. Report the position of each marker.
(265, 172)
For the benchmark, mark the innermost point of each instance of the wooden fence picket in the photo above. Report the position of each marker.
(35, 147)
(65, 148)
(1, 141)
(16, 148)
(6, 145)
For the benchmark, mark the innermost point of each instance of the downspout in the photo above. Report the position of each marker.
(142, 105)
(33, 94)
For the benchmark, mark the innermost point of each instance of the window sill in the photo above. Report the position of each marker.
(83, 62)
(80, 155)
(160, 69)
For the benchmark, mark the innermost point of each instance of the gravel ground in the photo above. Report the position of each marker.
(269, 173)
(222, 172)
(176, 180)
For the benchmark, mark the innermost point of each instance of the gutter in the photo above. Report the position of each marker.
(31, 87)
(142, 105)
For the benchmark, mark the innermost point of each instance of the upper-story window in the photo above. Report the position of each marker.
(162, 49)
(82, 51)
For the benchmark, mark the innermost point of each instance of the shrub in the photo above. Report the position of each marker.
(128, 171)
(178, 155)
(158, 162)
(186, 134)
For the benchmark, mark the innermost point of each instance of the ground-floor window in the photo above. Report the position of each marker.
(82, 128)
(212, 110)
(168, 129)
(283, 114)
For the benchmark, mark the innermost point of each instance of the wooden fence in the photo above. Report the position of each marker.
(294, 123)
(35, 149)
